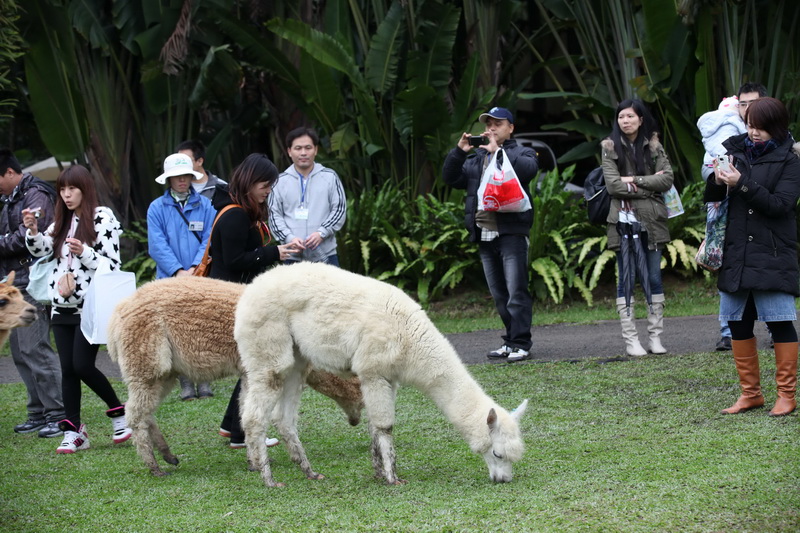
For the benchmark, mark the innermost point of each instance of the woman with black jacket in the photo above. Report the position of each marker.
(759, 274)
(240, 248)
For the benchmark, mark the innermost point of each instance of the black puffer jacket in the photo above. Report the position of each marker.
(761, 239)
(29, 194)
(464, 172)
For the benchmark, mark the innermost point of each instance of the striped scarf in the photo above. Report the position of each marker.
(754, 150)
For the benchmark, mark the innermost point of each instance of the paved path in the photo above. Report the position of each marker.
(560, 342)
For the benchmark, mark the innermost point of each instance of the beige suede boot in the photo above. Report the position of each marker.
(632, 345)
(655, 324)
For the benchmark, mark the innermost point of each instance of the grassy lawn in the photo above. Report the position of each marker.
(627, 446)
(633, 446)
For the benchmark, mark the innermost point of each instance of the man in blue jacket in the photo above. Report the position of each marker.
(502, 238)
(178, 227)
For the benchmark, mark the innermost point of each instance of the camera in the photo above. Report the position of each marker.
(478, 140)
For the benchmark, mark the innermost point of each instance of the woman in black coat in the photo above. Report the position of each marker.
(240, 248)
(759, 274)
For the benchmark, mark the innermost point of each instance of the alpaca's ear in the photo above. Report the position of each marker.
(517, 413)
(491, 420)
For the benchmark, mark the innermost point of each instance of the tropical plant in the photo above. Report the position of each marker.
(379, 80)
(134, 253)
(421, 246)
(626, 49)
(10, 49)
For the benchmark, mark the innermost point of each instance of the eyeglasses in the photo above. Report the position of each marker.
(746, 103)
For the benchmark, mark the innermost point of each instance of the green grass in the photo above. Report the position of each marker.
(471, 310)
(629, 446)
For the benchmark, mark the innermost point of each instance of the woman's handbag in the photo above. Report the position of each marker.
(39, 277)
(709, 255)
(66, 285)
(673, 202)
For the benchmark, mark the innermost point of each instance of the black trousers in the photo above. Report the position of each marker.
(232, 421)
(78, 358)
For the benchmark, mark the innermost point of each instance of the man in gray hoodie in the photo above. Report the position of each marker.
(307, 206)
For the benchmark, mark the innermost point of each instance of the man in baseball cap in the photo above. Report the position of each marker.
(499, 113)
(502, 237)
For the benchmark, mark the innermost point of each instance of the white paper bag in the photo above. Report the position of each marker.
(107, 289)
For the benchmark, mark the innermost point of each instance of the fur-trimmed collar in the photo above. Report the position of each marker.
(608, 145)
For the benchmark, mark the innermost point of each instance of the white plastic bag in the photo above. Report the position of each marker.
(107, 289)
(500, 189)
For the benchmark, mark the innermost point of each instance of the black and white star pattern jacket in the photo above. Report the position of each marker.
(83, 266)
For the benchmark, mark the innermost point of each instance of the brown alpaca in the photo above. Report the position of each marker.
(184, 326)
(15, 312)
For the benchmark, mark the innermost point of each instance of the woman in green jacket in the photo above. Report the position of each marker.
(637, 173)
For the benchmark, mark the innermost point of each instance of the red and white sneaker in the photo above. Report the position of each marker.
(121, 430)
(74, 441)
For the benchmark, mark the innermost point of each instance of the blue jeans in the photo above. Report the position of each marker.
(505, 265)
(653, 258)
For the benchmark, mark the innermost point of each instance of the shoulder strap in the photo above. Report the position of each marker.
(180, 212)
(204, 261)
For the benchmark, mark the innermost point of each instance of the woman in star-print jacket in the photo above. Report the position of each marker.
(77, 241)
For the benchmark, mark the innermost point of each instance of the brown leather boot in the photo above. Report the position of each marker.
(785, 377)
(745, 355)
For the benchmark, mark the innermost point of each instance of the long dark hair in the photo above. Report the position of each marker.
(75, 176)
(623, 146)
(770, 115)
(255, 168)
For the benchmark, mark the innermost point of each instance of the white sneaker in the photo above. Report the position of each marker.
(270, 442)
(518, 354)
(74, 441)
(121, 430)
(502, 351)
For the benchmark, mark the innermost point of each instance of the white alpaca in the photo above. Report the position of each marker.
(311, 313)
(185, 326)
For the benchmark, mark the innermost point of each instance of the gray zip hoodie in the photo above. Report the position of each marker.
(322, 195)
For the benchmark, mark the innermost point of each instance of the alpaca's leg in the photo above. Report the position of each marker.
(286, 412)
(143, 399)
(258, 399)
(155, 431)
(379, 399)
(345, 392)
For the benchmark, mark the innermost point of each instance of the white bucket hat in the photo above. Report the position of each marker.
(177, 165)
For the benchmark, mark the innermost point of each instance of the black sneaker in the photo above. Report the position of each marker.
(724, 344)
(50, 430)
(30, 426)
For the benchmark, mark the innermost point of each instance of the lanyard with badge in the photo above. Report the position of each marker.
(301, 213)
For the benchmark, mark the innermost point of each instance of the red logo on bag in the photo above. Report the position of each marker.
(490, 203)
